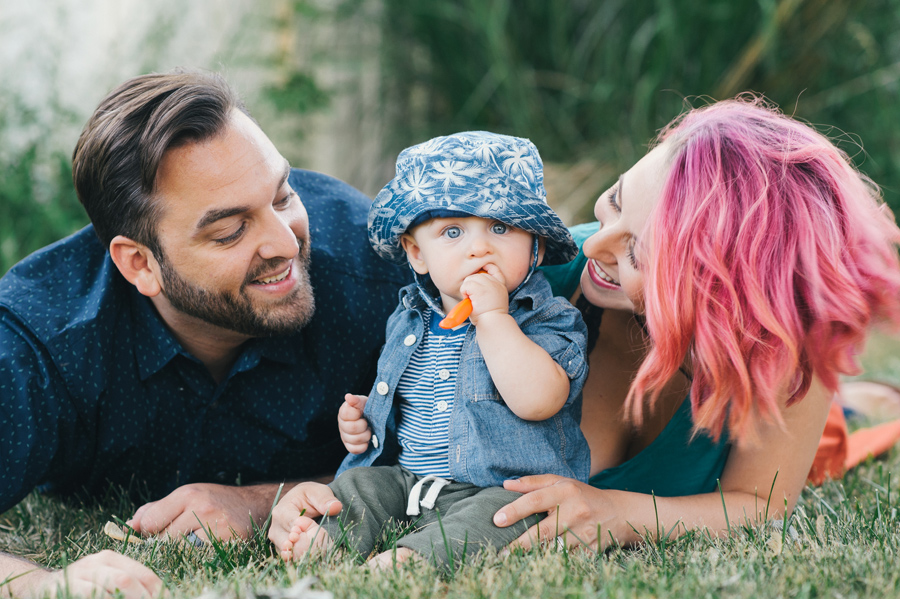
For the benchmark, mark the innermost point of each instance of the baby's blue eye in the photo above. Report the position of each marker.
(499, 228)
(452, 232)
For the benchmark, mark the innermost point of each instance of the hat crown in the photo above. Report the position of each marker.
(489, 157)
(478, 173)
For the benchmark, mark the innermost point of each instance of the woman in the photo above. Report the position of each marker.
(755, 258)
(738, 265)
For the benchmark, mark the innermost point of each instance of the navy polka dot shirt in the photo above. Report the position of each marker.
(94, 388)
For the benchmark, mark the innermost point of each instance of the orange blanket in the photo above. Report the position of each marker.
(840, 451)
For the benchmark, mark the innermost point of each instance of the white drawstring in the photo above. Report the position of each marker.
(412, 507)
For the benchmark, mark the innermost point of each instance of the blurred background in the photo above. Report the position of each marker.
(341, 86)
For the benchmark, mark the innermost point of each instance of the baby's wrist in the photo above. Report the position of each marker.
(492, 318)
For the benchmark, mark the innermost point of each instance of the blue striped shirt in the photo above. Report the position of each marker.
(426, 391)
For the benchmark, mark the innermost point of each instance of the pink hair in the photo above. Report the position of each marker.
(778, 257)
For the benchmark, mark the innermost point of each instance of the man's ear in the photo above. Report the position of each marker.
(136, 263)
(542, 247)
(413, 253)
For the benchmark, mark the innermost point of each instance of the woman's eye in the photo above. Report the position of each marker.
(631, 257)
(499, 228)
(285, 201)
(614, 200)
(452, 232)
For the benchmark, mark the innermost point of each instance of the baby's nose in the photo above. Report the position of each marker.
(479, 247)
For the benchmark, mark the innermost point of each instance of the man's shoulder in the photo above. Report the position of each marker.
(319, 188)
(60, 287)
(338, 215)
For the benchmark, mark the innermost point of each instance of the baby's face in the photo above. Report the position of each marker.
(451, 249)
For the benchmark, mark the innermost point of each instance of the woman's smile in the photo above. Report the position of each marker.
(600, 277)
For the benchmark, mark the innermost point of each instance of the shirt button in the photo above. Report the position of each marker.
(410, 339)
(442, 406)
(375, 441)
(444, 374)
(382, 388)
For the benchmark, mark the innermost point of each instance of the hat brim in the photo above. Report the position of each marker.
(392, 213)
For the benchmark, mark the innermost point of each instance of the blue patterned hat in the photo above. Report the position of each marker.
(478, 173)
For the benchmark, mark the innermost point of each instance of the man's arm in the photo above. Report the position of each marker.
(34, 402)
(225, 512)
(103, 573)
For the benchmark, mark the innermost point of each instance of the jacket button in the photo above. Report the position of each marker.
(382, 388)
(410, 339)
(375, 441)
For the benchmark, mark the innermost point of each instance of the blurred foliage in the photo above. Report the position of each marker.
(38, 203)
(588, 78)
(589, 81)
(29, 219)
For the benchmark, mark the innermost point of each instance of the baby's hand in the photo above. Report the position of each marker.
(354, 428)
(487, 291)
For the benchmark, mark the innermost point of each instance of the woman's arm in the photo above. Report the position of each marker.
(783, 455)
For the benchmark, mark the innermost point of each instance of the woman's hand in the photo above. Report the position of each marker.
(576, 512)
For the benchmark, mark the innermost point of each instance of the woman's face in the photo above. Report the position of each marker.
(613, 277)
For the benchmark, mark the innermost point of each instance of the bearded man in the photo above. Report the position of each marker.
(194, 343)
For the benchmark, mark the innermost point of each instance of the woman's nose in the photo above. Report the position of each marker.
(601, 246)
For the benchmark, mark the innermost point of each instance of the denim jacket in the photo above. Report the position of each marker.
(488, 442)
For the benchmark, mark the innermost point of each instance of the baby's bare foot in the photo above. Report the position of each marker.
(305, 537)
(387, 559)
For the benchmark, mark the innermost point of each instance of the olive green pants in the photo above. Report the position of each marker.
(375, 503)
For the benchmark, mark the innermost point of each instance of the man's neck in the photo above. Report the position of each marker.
(215, 347)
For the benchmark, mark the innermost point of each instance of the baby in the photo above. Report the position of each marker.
(455, 412)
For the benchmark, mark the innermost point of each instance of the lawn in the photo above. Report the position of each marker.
(842, 541)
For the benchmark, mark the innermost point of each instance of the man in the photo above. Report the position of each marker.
(173, 347)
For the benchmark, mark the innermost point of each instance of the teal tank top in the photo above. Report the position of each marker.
(677, 462)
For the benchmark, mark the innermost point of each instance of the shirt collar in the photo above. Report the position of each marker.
(157, 346)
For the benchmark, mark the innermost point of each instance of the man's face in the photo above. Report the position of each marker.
(234, 235)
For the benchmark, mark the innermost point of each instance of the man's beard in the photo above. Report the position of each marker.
(236, 312)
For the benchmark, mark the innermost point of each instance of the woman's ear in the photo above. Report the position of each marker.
(413, 253)
(137, 264)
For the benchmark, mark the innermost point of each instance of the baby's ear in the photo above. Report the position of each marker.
(542, 247)
(413, 253)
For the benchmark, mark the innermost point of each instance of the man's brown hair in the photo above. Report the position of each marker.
(118, 154)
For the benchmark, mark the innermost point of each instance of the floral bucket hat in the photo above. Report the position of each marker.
(477, 173)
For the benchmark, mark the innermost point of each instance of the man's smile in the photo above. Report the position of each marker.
(274, 278)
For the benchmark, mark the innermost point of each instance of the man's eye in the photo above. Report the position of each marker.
(233, 237)
(452, 232)
(499, 228)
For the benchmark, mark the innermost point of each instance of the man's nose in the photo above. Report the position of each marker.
(278, 238)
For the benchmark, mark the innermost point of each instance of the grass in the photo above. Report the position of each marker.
(842, 541)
